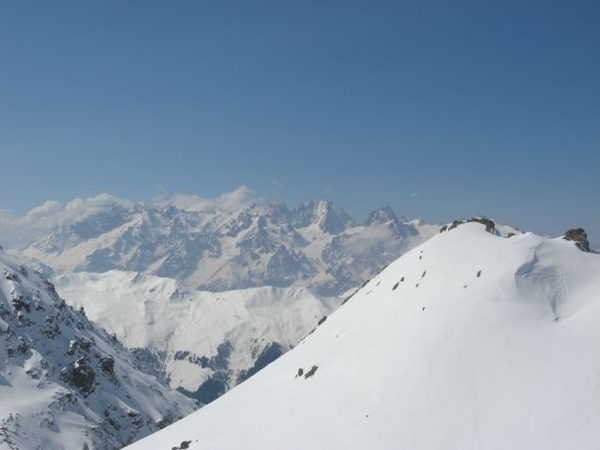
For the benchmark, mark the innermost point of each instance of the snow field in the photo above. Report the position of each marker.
(474, 349)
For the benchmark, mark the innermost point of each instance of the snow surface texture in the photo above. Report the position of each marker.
(203, 342)
(469, 341)
(65, 383)
(225, 245)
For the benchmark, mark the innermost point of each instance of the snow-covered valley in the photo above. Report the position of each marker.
(203, 342)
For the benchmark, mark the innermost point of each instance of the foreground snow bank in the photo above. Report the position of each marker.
(469, 341)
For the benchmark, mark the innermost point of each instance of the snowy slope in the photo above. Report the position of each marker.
(204, 342)
(469, 341)
(65, 383)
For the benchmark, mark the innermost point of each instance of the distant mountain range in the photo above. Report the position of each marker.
(224, 247)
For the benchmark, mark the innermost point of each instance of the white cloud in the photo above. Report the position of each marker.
(50, 214)
(17, 231)
(230, 201)
(79, 209)
(183, 201)
(241, 197)
(20, 231)
(41, 213)
(7, 224)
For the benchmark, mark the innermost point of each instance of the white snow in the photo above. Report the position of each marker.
(469, 341)
(167, 317)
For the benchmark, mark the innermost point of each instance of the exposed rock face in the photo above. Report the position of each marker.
(216, 385)
(83, 375)
(68, 371)
(107, 364)
(579, 236)
(490, 225)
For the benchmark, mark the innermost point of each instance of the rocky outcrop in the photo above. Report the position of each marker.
(490, 225)
(83, 378)
(579, 236)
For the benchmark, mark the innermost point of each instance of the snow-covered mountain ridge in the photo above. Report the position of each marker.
(203, 342)
(64, 382)
(468, 341)
(227, 246)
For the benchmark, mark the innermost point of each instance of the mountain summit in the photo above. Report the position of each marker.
(470, 340)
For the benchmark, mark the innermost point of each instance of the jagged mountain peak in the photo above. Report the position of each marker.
(64, 382)
(386, 216)
(382, 215)
(579, 236)
(229, 243)
(323, 213)
(471, 340)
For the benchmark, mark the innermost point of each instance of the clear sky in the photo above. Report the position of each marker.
(440, 109)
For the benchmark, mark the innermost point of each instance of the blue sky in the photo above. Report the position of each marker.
(439, 109)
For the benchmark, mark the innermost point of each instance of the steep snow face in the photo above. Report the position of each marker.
(229, 247)
(64, 383)
(203, 342)
(468, 341)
